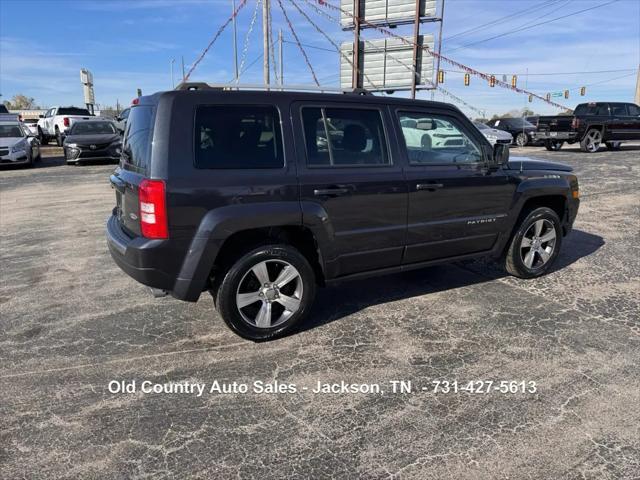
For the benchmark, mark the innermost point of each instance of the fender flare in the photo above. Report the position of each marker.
(219, 224)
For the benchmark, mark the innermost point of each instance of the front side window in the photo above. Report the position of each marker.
(634, 110)
(344, 137)
(437, 140)
(238, 137)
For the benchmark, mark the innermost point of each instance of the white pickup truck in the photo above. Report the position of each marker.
(57, 120)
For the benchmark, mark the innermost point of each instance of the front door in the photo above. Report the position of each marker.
(347, 172)
(457, 205)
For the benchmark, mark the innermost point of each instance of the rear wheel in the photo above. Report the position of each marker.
(553, 145)
(591, 141)
(522, 139)
(535, 245)
(58, 137)
(266, 293)
(613, 145)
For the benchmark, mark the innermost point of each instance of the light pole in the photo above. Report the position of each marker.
(173, 83)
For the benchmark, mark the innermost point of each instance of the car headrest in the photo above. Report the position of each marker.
(355, 138)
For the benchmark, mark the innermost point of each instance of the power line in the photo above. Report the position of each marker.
(295, 35)
(555, 73)
(218, 33)
(520, 29)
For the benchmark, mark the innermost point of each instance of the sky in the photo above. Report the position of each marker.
(129, 44)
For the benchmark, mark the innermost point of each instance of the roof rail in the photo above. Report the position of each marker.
(271, 87)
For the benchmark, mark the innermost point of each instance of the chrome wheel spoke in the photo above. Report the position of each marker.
(550, 235)
(538, 227)
(529, 257)
(526, 242)
(289, 303)
(261, 272)
(263, 319)
(245, 299)
(287, 274)
(544, 255)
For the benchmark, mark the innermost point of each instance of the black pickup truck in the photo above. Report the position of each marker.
(592, 124)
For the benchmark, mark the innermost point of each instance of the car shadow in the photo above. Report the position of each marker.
(336, 302)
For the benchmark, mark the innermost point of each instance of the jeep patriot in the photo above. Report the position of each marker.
(261, 196)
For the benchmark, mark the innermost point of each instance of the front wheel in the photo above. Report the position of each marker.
(522, 139)
(553, 145)
(266, 293)
(535, 245)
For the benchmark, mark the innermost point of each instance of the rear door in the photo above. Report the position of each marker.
(134, 166)
(457, 206)
(348, 169)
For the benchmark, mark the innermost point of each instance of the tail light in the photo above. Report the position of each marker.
(135, 101)
(575, 123)
(65, 121)
(153, 209)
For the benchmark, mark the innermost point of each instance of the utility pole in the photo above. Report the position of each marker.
(235, 43)
(183, 74)
(171, 62)
(280, 56)
(439, 45)
(356, 44)
(637, 97)
(416, 39)
(265, 39)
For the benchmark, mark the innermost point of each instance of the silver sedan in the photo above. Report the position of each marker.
(493, 134)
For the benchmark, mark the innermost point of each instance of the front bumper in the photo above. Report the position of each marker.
(16, 158)
(72, 154)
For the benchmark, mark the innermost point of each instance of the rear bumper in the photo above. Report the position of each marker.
(131, 255)
(564, 136)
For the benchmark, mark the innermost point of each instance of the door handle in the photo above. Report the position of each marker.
(429, 186)
(330, 191)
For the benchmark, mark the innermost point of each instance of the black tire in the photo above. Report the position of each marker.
(591, 141)
(613, 145)
(42, 137)
(515, 261)
(234, 278)
(59, 140)
(522, 139)
(553, 145)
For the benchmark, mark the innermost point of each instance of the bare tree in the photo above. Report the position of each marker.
(21, 102)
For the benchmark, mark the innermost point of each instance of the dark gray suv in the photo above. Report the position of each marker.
(259, 197)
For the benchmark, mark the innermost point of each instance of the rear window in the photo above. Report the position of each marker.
(136, 147)
(73, 111)
(3, 109)
(237, 137)
(592, 109)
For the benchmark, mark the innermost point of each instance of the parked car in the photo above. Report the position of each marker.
(592, 124)
(6, 115)
(493, 134)
(121, 120)
(92, 140)
(31, 124)
(231, 192)
(519, 128)
(17, 145)
(57, 120)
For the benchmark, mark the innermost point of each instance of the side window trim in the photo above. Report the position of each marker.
(438, 115)
(380, 110)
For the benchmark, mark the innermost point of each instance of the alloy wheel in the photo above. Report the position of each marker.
(594, 138)
(266, 303)
(538, 244)
(521, 139)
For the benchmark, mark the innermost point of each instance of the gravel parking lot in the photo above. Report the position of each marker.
(71, 322)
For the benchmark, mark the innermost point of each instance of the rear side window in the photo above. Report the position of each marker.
(136, 148)
(340, 137)
(73, 111)
(634, 110)
(601, 109)
(619, 109)
(237, 137)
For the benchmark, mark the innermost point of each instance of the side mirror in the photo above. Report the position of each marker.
(500, 154)
(40, 116)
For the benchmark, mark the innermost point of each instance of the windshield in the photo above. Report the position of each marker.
(11, 131)
(73, 111)
(92, 128)
(481, 126)
(520, 123)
